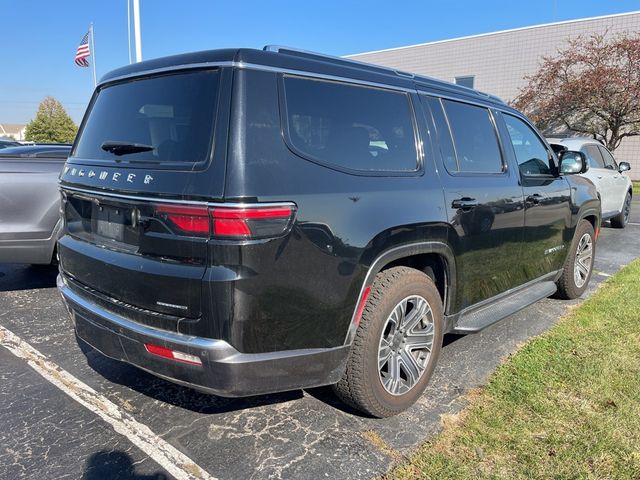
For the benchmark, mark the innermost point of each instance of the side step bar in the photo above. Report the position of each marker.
(481, 317)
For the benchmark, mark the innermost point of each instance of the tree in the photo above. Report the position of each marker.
(590, 87)
(52, 124)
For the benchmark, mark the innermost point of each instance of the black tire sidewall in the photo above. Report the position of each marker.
(411, 284)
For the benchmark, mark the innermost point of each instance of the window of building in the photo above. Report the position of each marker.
(350, 126)
(465, 81)
(594, 157)
(530, 151)
(474, 138)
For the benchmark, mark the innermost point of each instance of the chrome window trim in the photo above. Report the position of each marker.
(156, 199)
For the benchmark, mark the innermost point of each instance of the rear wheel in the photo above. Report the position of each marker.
(621, 220)
(578, 266)
(396, 346)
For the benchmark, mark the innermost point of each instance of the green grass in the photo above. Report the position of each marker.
(566, 406)
(636, 185)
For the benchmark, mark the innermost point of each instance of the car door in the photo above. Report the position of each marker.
(483, 199)
(547, 211)
(601, 177)
(618, 180)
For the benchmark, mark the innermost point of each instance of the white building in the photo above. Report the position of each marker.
(12, 130)
(497, 62)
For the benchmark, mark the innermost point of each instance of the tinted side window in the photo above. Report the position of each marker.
(474, 137)
(531, 153)
(594, 157)
(609, 161)
(350, 126)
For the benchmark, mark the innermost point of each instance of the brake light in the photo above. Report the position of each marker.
(243, 222)
(252, 222)
(188, 218)
(172, 354)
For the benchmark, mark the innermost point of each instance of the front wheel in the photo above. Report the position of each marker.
(396, 346)
(578, 266)
(621, 220)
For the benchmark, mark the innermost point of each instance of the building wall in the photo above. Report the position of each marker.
(499, 61)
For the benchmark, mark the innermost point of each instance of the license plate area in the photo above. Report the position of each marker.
(110, 222)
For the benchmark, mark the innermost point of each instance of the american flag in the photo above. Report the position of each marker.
(83, 52)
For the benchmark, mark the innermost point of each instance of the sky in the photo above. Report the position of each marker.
(39, 38)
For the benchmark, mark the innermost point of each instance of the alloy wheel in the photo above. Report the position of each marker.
(584, 259)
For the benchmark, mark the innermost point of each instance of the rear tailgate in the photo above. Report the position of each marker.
(146, 142)
(127, 250)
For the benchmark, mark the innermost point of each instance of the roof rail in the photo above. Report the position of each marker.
(348, 61)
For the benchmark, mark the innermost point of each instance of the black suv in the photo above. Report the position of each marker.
(245, 221)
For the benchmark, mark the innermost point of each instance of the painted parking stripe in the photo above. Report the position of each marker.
(163, 453)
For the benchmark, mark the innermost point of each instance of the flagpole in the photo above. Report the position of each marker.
(136, 30)
(129, 28)
(93, 54)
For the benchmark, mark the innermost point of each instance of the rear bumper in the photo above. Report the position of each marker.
(224, 370)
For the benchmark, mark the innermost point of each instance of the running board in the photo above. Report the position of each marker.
(481, 317)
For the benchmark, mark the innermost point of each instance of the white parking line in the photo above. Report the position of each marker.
(163, 453)
(633, 223)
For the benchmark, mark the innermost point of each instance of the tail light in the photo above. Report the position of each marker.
(228, 222)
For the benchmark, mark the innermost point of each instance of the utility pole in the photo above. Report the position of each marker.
(136, 29)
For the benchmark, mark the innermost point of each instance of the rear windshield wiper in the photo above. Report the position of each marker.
(124, 148)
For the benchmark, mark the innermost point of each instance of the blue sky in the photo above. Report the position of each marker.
(39, 38)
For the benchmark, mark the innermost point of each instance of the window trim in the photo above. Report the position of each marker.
(492, 120)
(550, 153)
(286, 132)
(172, 166)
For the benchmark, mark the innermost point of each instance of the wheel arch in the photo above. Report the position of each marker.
(435, 258)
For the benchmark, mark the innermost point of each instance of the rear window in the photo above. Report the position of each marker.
(349, 126)
(170, 116)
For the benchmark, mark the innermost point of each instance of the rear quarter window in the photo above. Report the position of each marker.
(173, 114)
(351, 127)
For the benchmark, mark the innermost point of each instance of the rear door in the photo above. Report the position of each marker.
(601, 177)
(547, 213)
(150, 155)
(619, 183)
(483, 198)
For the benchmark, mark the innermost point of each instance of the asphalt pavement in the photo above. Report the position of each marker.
(46, 432)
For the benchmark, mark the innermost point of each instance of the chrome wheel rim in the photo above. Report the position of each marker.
(405, 345)
(627, 208)
(584, 259)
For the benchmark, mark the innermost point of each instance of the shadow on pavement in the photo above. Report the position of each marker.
(115, 464)
(26, 277)
(164, 391)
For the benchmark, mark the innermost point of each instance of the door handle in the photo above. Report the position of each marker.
(535, 198)
(464, 203)
(600, 177)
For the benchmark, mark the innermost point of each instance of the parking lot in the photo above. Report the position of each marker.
(98, 418)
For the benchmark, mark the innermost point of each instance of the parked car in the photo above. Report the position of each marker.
(30, 202)
(7, 143)
(614, 187)
(245, 222)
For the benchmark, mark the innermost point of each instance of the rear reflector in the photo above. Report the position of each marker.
(172, 354)
(245, 222)
(363, 302)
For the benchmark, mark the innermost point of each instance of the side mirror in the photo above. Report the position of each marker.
(624, 167)
(572, 162)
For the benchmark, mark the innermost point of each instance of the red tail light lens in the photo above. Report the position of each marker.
(246, 222)
(172, 354)
(251, 222)
(187, 218)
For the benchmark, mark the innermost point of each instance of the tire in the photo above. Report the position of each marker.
(363, 383)
(568, 285)
(621, 220)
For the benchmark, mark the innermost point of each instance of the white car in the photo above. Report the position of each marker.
(613, 185)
